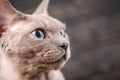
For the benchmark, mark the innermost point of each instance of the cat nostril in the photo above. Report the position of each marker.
(64, 46)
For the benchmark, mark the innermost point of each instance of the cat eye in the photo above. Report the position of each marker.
(38, 34)
(62, 33)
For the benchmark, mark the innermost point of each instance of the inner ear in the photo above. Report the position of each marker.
(6, 22)
(3, 24)
(8, 14)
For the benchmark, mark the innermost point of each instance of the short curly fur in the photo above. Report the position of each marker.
(22, 55)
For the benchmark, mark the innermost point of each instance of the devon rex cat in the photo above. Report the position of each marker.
(32, 47)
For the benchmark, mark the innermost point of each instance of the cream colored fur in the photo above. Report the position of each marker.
(22, 55)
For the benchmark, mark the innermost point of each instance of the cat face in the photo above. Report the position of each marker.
(36, 43)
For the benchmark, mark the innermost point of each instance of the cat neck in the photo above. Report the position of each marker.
(9, 72)
(38, 76)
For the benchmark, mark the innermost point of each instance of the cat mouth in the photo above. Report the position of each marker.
(63, 58)
(58, 60)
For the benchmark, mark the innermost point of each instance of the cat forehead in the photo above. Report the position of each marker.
(36, 22)
(49, 22)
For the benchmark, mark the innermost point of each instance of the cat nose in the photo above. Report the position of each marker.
(64, 46)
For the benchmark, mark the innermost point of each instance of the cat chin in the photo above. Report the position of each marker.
(53, 66)
(57, 64)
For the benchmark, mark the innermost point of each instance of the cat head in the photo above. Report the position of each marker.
(33, 42)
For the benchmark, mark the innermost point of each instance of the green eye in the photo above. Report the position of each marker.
(38, 34)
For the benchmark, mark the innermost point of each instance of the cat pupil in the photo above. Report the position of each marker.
(38, 34)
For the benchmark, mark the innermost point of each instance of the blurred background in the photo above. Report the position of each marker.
(94, 30)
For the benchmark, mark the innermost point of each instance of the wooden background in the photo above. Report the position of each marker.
(94, 30)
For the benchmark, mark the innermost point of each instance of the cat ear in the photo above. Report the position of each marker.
(42, 8)
(7, 14)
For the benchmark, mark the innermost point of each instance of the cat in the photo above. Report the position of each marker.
(32, 46)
